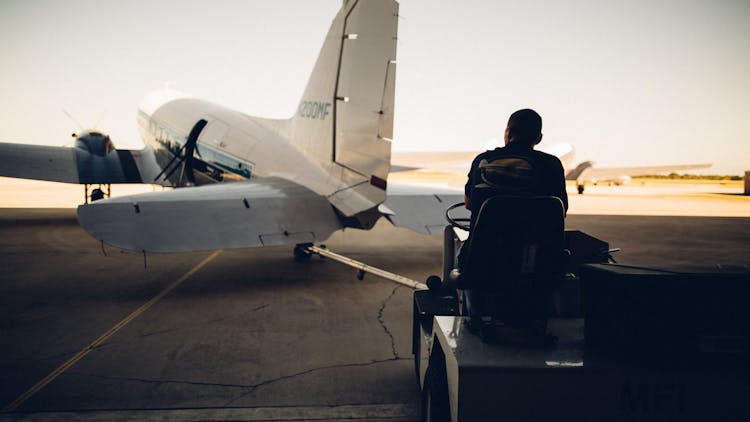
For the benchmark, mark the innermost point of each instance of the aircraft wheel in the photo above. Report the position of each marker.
(580, 189)
(301, 254)
(97, 194)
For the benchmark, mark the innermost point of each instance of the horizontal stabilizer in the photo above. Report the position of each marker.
(398, 169)
(421, 207)
(228, 215)
(455, 162)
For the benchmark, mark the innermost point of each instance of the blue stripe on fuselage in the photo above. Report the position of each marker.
(173, 140)
(224, 161)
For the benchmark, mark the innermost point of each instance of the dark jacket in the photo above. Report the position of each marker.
(518, 169)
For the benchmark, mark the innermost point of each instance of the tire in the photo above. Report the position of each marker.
(301, 254)
(97, 194)
(435, 405)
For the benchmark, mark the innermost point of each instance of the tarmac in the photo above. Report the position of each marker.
(250, 334)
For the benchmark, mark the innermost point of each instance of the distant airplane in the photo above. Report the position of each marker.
(585, 172)
(582, 173)
(295, 181)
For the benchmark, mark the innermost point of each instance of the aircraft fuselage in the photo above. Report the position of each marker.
(230, 145)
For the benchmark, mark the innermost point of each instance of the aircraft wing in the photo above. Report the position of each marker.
(456, 162)
(74, 165)
(421, 207)
(594, 173)
(261, 212)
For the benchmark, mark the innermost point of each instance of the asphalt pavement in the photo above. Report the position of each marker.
(249, 333)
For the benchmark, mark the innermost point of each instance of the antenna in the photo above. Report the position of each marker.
(99, 120)
(73, 120)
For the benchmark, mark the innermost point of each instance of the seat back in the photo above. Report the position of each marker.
(506, 175)
(515, 256)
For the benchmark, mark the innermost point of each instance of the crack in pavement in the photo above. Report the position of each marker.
(212, 321)
(254, 387)
(164, 381)
(249, 387)
(173, 329)
(256, 309)
(164, 331)
(385, 327)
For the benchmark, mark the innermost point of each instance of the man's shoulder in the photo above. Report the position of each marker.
(549, 158)
(491, 154)
(546, 155)
(530, 153)
(486, 155)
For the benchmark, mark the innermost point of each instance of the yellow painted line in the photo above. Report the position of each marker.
(80, 355)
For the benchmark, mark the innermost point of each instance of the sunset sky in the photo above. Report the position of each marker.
(626, 82)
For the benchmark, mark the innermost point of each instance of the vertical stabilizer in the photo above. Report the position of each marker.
(345, 118)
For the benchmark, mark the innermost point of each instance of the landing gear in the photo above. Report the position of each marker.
(301, 253)
(101, 192)
(580, 189)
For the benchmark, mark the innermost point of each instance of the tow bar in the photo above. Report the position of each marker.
(364, 268)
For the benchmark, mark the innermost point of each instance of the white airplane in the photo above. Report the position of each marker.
(585, 172)
(294, 181)
(582, 173)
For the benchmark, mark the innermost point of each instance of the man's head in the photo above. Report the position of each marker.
(525, 127)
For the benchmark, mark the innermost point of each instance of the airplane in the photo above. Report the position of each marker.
(246, 181)
(585, 172)
(582, 173)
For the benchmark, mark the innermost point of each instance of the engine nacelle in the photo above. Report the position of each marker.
(100, 163)
(95, 143)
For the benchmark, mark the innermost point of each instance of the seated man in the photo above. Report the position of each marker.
(516, 170)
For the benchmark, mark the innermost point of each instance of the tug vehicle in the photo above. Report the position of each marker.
(538, 324)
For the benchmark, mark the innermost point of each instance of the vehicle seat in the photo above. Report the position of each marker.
(515, 258)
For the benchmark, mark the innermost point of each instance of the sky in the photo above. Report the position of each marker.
(627, 82)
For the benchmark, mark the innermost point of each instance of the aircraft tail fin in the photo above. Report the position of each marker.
(578, 171)
(345, 117)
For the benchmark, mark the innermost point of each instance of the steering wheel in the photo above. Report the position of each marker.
(461, 223)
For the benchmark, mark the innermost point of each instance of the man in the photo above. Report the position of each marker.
(516, 168)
